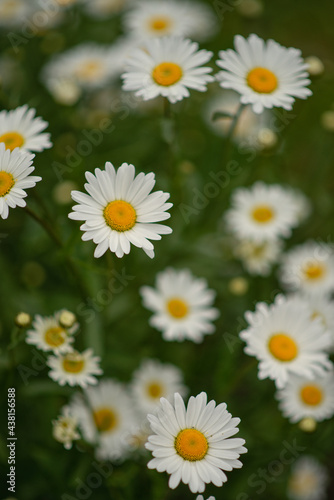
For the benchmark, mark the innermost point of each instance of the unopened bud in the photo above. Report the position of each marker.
(67, 319)
(238, 286)
(315, 65)
(308, 424)
(23, 320)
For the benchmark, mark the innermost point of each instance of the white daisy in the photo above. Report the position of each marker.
(75, 368)
(167, 66)
(192, 444)
(48, 334)
(105, 418)
(120, 209)
(181, 304)
(101, 9)
(285, 341)
(262, 212)
(320, 306)
(65, 428)
(171, 17)
(20, 129)
(258, 257)
(154, 380)
(13, 12)
(200, 497)
(15, 170)
(309, 268)
(266, 75)
(303, 398)
(308, 480)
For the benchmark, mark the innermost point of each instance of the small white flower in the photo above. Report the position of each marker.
(286, 341)
(182, 305)
(20, 129)
(120, 209)
(193, 445)
(154, 380)
(308, 480)
(169, 67)
(309, 268)
(15, 170)
(74, 368)
(65, 428)
(48, 334)
(266, 75)
(303, 398)
(258, 258)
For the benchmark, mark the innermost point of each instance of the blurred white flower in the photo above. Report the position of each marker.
(258, 257)
(75, 368)
(308, 480)
(65, 428)
(48, 334)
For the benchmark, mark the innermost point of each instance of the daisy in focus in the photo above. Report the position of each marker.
(120, 210)
(309, 268)
(192, 444)
(75, 368)
(20, 129)
(169, 67)
(171, 18)
(303, 398)
(286, 341)
(65, 428)
(258, 258)
(263, 212)
(308, 480)
(154, 380)
(48, 334)
(105, 419)
(15, 170)
(182, 305)
(266, 75)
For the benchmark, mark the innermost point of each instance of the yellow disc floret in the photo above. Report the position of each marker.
(120, 215)
(283, 347)
(263, 214)
(177, 308)
(311, 395)
(262, 80)
(191, 444)
(167, 73)
(105, 419)
(55, 336)
(6, 182)
(12, 140)
(73, 362)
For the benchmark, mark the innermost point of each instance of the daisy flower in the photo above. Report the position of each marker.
(20, 129)
(154, 380)
(193, 445)
(13, 12)
(285, 341)
(266, 75)
(309, 268)
(200, 497)
(106, 418)
(262, 212)
(120, 209)
(304, 398)
(65, 428)
(170, 17)
(48, 334)
(308, 480)
(258, 258)
(100, 9)
(320, 306)
(75, 368)
(169, 67)
(15, 170)
(181, 304)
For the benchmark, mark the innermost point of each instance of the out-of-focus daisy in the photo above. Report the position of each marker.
(120, 209)
(65, 428)
(258, 257)
(262, 212)
(49, 335)
(15, 170)
(75, 368)
(167, 66)
(20, 129)
(182, 305)
(107, 418)
(192, 444)
(309, 268)
(101, 9)
(170, 17)
(308, 480)
(154, 380)
(13, 12)
(266, 75)
(320, 306)
(302, 398)
(285, 341)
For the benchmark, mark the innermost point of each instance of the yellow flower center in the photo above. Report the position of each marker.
(105, 419)
(73, 363)
(159, 23)
(302, 483)
(263, 214)
(89, 70)
(311, 395)
(191, 444)
(167, 73)
(314, 271)
(12, 140)
(120, 215)
(6, 182)
(262, 80)
(154, 390)
(55, 336)
(282, 347)
(177, 308)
